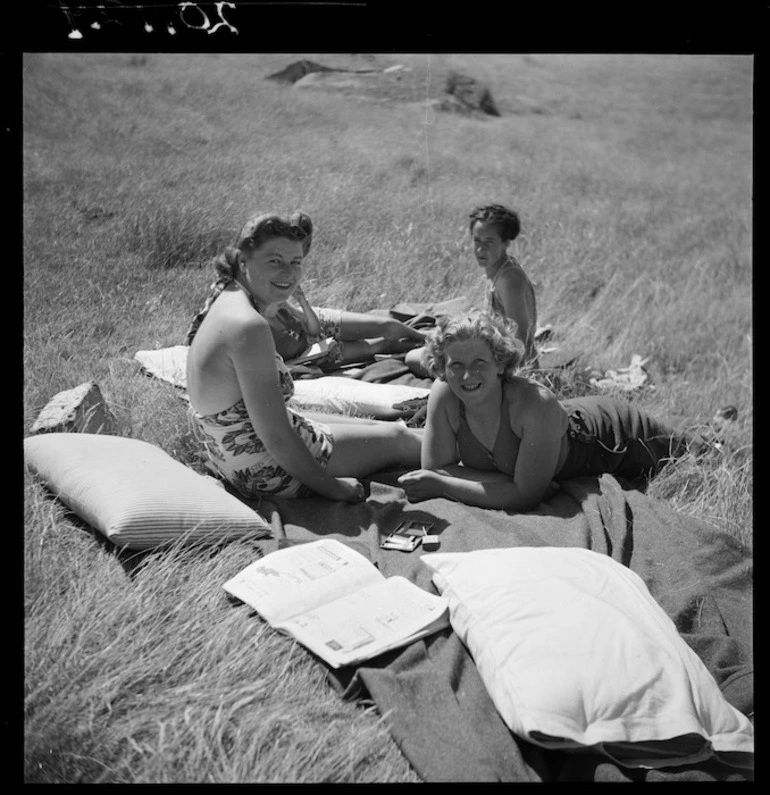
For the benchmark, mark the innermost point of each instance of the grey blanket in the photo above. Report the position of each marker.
(438, 709)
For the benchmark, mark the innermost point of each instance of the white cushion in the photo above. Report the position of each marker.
(327, 394)
(167, 364)
(136, 494)
(576, 654)
(339, 395)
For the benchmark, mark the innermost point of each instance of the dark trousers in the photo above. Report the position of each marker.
(610, 435)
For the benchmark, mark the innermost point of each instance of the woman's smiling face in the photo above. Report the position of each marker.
(273, 271)
(471, 370)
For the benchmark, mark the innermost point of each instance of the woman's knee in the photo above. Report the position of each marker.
(361, 450)
(413, 360)
(399, 443)
(409, 442)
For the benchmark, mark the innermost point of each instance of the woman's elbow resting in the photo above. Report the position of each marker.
(519, 503)
(530, 502)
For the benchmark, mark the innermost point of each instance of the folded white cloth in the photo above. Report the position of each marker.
(328, 394)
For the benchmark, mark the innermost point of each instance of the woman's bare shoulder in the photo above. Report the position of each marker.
(528, 395)
(513, 276)
(440, 393)
(234, 316)
(533, 407)
(443, 400)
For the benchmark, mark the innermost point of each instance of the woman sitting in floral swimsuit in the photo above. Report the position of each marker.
(238, 384)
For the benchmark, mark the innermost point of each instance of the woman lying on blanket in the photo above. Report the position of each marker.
(355, 336)
(238, 384)
(508, 290)
(498, 440)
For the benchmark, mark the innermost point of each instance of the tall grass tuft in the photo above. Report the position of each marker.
(170, 236)
(141, 671)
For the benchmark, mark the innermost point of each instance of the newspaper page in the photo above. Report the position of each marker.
(297, 579)
(369, 621)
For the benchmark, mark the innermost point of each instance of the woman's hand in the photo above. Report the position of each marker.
(312, 324)
(299, 294)
(421, 484)
(350, 490)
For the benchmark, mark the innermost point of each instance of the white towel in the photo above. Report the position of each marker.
(328, 394)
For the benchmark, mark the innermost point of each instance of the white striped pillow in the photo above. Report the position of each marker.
(136, 494)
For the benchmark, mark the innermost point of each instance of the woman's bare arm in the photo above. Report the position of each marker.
(253, 356)
(439, 441)
(511, 290)
(541, 423)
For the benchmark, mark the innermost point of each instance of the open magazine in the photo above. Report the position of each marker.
(334, 601)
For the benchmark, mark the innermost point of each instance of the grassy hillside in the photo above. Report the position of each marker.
(633, 178)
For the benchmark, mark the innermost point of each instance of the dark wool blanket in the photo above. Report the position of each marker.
(437, 707)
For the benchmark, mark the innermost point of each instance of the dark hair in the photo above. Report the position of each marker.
(260, 228)
(507, 221)
(497, 331)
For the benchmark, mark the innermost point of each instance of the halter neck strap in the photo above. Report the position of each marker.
(215, 290)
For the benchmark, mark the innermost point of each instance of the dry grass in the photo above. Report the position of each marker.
(633, 179)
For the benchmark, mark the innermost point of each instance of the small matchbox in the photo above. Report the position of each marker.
(430, 543)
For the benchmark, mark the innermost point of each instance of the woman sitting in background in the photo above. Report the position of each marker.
(497, 440)
(238, 384)
(508, 290)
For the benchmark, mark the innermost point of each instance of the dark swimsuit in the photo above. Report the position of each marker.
(474, 454)
(605, 434)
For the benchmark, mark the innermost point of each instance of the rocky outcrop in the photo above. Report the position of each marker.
(462, 94)
(78, 410)
(297, 70)
(469, 95)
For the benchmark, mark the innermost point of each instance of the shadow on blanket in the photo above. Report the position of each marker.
(438, 709)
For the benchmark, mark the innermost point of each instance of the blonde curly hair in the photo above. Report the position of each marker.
(497, 331)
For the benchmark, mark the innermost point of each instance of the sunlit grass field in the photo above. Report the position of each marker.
(633, 179)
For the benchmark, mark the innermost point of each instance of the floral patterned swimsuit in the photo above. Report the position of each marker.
(239, 456)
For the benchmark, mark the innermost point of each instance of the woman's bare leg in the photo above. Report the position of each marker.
(362, 325)
(361, 350)
(360, 450)
(413, 360)
(339, 419)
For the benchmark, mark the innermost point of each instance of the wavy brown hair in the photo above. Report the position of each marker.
(256, 231)
(261, 228)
